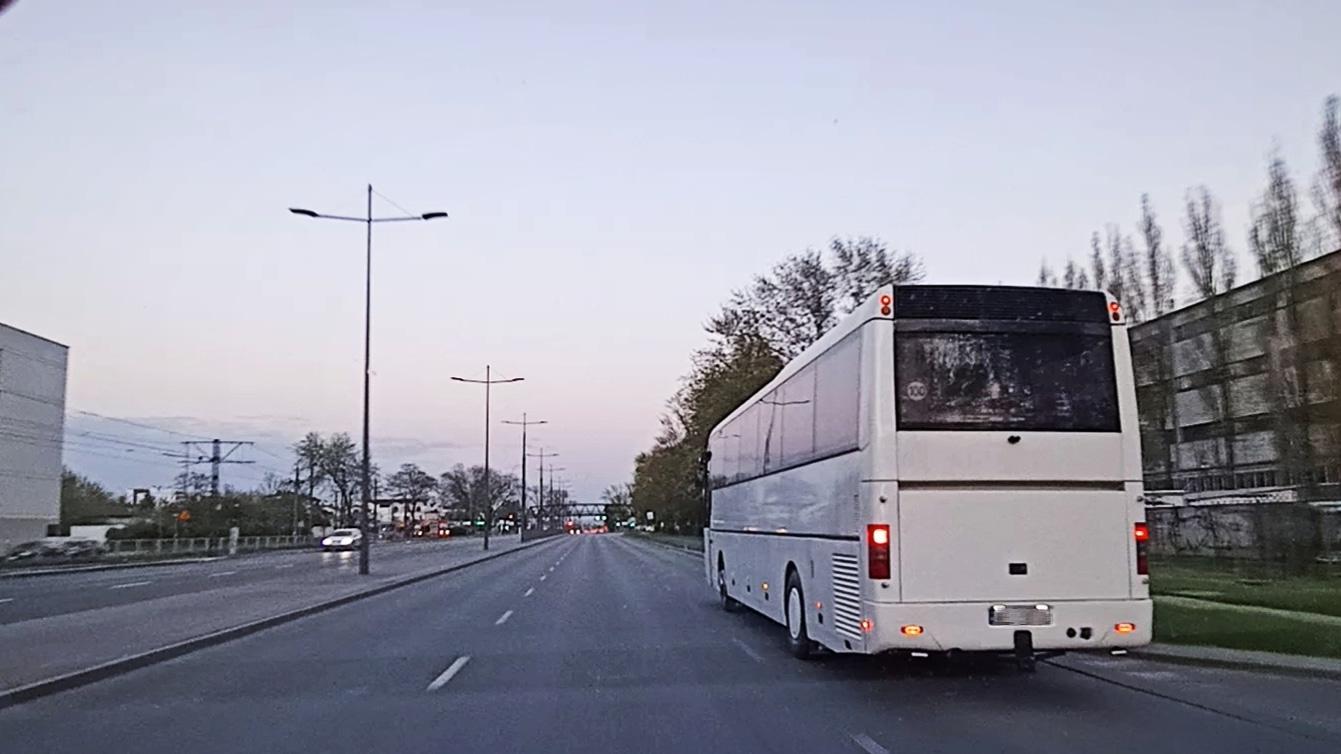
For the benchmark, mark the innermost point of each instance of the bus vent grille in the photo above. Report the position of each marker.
(846, 596)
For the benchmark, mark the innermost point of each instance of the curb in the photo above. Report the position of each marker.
(56, 571)
(669, 546)
(1236, 659)
(122, 665)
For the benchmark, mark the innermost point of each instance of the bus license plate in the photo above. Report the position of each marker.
(1019, 615)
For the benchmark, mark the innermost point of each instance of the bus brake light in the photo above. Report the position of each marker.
(877, 549)
(1141, 533)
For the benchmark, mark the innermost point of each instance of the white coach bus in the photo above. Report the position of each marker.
(951, 469)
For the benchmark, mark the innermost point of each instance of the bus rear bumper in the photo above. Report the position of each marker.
(965, 626)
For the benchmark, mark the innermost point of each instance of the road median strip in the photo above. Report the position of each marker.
(125, 664)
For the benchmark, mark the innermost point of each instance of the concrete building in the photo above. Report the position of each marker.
(32, 428)
(1238, 394)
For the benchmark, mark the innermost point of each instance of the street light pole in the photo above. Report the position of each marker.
(368, 221)
(524, 424)
(540, 504)
(488, 382)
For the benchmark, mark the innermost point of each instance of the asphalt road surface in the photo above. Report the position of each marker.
(606, 644)
(28, 597)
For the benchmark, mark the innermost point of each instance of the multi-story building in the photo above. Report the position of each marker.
(1238, 393)
(32, 427)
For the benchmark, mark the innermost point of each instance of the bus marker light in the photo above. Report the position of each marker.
(866, 625)
(911, 630)
(1125, 628)
(764, 586)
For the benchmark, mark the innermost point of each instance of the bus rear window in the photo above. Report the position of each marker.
(1006, 381)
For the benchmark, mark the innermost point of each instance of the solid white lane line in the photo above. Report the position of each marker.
(284, 565)
(529, 592)
(3, 600)
(868, 744)
(747, 649)
(503, 618)
(131, 584)
(447, 674)
(222, 573)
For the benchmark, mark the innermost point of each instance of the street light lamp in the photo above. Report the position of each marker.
(524, 423)
(488, 382)
(368, 221)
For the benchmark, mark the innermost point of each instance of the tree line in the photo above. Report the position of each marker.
(326, 489)
(1278, 237)
(332, 466)
(758, 329)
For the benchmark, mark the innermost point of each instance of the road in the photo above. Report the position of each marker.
(607, 644)
(28, 597)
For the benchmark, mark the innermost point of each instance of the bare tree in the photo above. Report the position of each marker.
(1046, 277)
(341, 469)
(1073, 276)
(1211, 265)
(1275, 244)
(1097, 272)
(1209, 262)
(414, 487)
(1327, 186)
(1157, 261)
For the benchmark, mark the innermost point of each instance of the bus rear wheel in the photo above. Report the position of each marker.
(798, 639)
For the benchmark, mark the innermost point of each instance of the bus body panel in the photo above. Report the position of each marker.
(990, 457)
(963, 626)
(1012, 544)
(818, 498)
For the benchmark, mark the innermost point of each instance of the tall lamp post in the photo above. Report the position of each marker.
(487, 382)
(552, 496)
(368, 221)
(540, 504)
(524, 423)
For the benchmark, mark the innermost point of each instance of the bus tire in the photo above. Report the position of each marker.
(798, 639)
(728, 604)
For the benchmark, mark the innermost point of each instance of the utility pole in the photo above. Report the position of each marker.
(216, 458)
(297, 491)
(488, 382)
(524, 424)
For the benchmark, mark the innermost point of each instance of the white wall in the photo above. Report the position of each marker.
(32, 427)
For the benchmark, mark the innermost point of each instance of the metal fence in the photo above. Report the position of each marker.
(129, 548)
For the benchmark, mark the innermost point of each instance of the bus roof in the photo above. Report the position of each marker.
(1025, 303)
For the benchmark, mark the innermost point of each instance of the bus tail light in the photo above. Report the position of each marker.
(1141, 533)
(877, 549)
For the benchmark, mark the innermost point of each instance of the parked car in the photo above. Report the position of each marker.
(52, 549)
(342, 539)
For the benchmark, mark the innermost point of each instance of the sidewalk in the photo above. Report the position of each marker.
(1241, 659)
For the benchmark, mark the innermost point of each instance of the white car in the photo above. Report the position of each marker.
(342, 539)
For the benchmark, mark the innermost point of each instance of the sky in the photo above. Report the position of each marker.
(612, 171)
